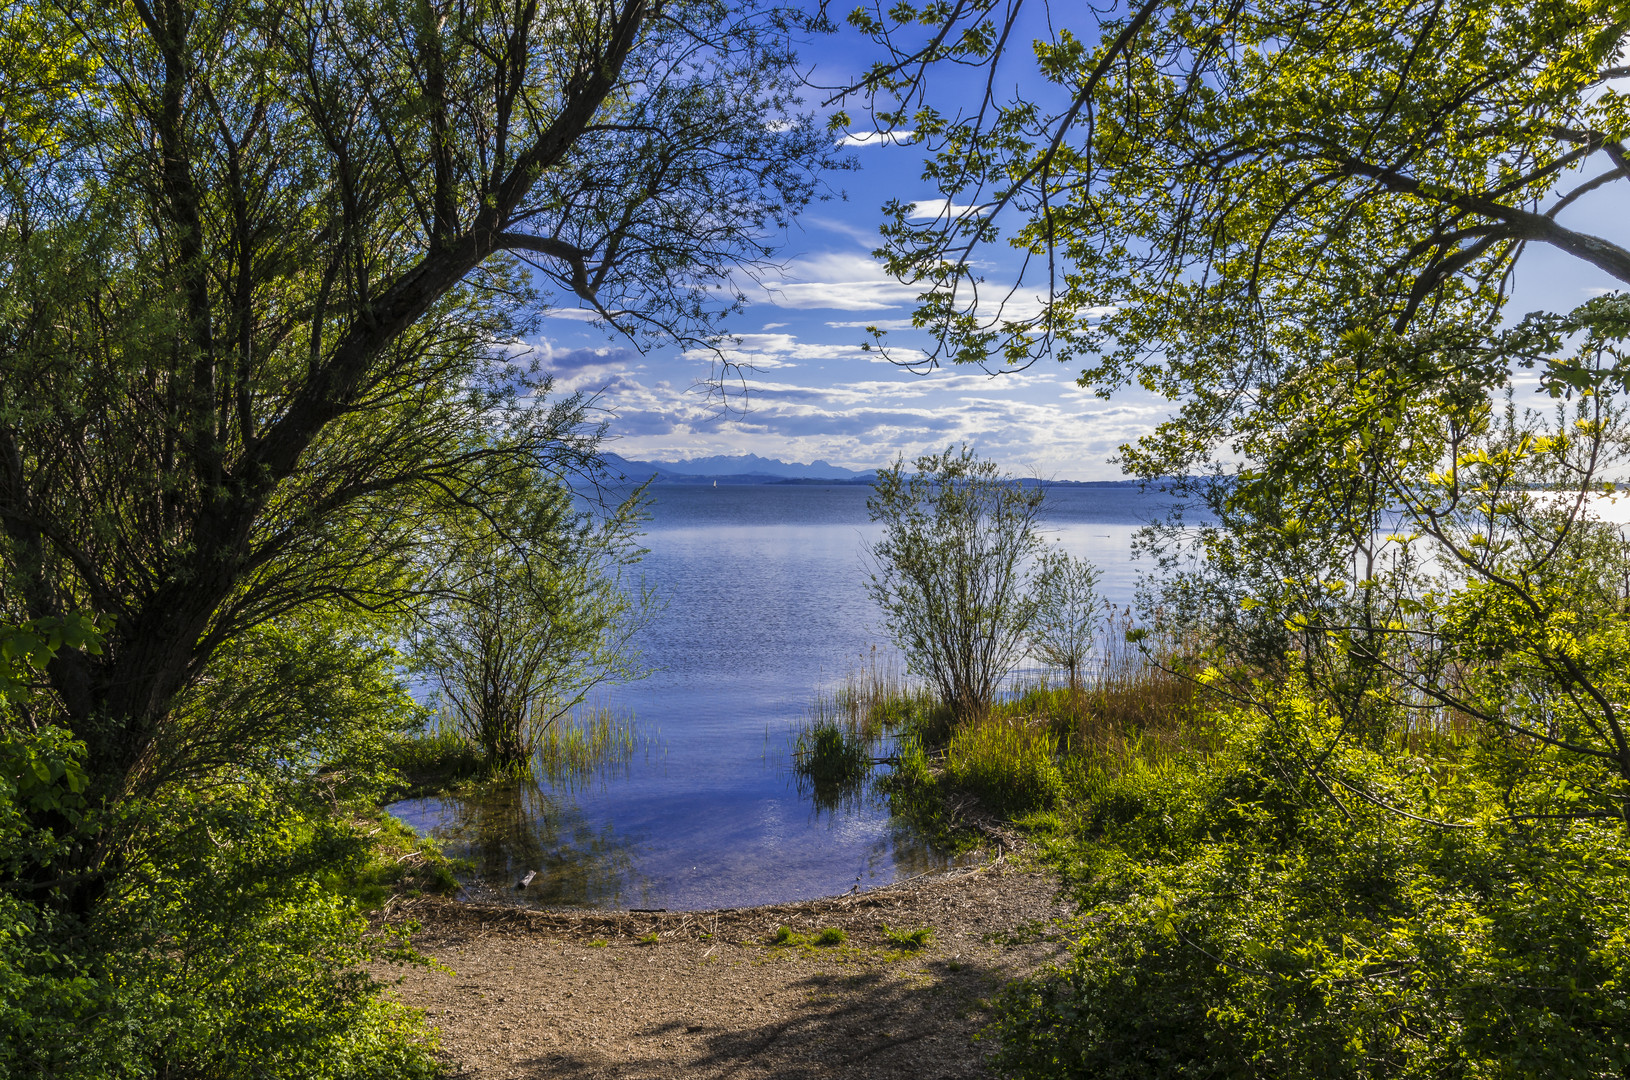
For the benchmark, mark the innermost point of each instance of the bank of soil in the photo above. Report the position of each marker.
(704, 994)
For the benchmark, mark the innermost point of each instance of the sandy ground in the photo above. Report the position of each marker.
(705, 994)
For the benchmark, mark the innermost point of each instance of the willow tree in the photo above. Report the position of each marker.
(522, 630)
(264, 269)
(948, 571)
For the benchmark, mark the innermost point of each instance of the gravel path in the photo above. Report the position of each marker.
(704, 994)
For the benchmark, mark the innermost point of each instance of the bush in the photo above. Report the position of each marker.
(1250, 921)
(225, 940)
(949, 571)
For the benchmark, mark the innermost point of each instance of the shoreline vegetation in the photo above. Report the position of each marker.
(440, 758)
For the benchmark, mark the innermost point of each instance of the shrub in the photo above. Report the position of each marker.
(1255, 917)
(949, 571)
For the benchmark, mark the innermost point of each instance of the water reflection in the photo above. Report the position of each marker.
(836, 839)
(508, 827)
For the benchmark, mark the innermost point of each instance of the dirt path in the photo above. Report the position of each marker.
(546, 995)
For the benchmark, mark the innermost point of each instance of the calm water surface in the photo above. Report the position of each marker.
(766, 606)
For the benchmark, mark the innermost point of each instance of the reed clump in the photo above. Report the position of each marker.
(875, 699)
(1009, 762)
(572, 750)
(584, 745)
(436, 758)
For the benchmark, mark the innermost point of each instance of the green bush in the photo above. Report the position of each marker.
(223, 954)
(225, 939)
(1253, 916)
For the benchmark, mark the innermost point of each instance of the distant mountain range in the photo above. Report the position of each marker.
(752, 469)
(740, 469)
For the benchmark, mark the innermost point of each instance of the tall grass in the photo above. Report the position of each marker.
(1011, 763)
(436, 758)
(875, 699)
(1132, 707)
(582, 746)
(1134, 699)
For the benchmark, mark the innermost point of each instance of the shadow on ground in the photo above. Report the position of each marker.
(915, 1021)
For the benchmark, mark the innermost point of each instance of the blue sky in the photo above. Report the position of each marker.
(809, 392)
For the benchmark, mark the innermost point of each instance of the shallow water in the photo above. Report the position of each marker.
(766, 606)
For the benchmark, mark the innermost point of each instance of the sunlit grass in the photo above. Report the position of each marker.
(1011, 763)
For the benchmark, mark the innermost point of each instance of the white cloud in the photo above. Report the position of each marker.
(770, 351)
(881, 324)
(842, 281)
(1031, 422)
(938, 208)
(877, 138)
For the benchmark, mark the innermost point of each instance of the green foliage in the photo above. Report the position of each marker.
(397, 862)
(1219, 193)
(237, 959)
(229, 943)
(436, 758)
(529, 625)
(1298, 906)
(225, 952)
(949, 571)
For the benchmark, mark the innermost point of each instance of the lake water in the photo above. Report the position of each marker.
(766, 606)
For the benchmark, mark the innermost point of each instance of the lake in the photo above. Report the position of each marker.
(765, 607)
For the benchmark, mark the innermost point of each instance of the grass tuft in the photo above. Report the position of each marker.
(909, 940)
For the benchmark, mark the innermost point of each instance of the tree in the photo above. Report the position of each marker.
(522, 632)
(1065, 625)
(263, 268)
(949, 571)
(1300, 222)
(1208, 197)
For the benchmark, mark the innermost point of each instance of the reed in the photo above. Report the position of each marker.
(1138, 699)
(585, 745)
(875, 699)
(1010, 762)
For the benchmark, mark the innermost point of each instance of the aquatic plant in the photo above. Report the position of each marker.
(584, 745)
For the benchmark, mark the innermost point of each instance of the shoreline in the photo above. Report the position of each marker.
(519, 994)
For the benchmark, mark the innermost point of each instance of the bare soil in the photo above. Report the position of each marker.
(706, 994)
